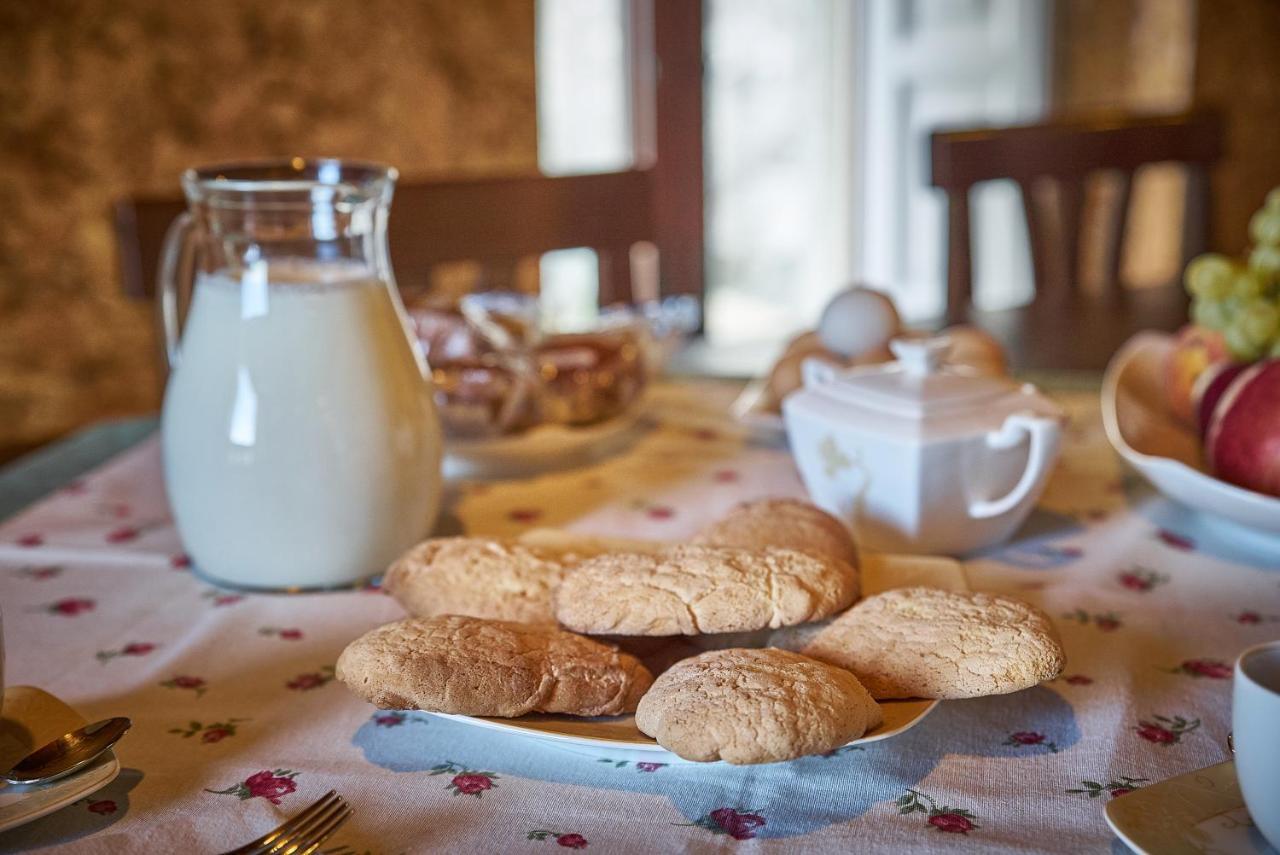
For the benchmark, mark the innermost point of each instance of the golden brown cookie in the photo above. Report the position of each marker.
(930, 643)
(470, 666)
(692, 590)
(755, 706)
(782, 524)
(573, 547)
(477, 576)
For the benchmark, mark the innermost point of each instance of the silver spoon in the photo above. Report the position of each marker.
(68, 753)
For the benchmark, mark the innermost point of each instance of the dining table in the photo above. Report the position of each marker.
(239, 722)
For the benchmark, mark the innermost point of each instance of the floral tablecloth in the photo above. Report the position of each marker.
(238, 721)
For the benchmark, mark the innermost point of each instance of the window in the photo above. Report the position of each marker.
(816, 130)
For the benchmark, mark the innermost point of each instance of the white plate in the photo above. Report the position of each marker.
(1191, 814)
(31, 718)
(618, 737)
(1166, 452)
(541, 448)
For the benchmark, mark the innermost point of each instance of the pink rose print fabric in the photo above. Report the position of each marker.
(185, 682)
(311, 679)
(133, 648)
(1212, 669)
(1141, 579)
(466, 782)
(1104, 621)
(1030, 738)
(41, 573)
(222, 598)
(1114, 788)
(102, 807)
(949, 820)
(272, 785)
(1165, 730)
(643, 766)
(570, 840)
(735, 822)
(209, 733)
(239, 722)
(1176, 541)
(71, 606)
(284, 634)
(396, 718)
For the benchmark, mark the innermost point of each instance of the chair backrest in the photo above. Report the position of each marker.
(501, 220)
(497, 220)
(1065, 153)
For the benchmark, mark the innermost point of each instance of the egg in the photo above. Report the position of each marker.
(858, 320)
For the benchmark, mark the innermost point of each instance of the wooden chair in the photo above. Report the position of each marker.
(1065, 327)
(501, 220)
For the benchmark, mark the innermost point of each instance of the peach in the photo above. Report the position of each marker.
(1194, 350)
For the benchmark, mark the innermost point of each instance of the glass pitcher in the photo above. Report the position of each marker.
(301, 442)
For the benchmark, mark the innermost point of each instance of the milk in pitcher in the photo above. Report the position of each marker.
(300, 439)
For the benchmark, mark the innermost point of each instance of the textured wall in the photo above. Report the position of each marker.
(104, 98)
(1238, 73)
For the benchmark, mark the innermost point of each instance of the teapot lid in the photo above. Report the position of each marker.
(919, 383)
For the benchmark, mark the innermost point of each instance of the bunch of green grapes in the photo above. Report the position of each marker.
(1241, 298)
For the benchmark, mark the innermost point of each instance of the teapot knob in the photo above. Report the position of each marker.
(921, 356)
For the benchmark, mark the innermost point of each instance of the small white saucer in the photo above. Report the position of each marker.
(1191, 814)
(30, 718)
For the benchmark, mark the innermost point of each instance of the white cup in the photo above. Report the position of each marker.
(1255, 724)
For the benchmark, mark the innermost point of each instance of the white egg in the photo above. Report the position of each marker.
(858, 320)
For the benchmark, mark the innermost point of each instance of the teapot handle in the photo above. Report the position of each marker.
(1044, 433)
(172, 255)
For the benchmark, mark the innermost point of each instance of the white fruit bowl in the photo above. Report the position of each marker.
(1164, 450)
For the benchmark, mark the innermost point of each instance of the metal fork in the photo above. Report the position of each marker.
(303, 834)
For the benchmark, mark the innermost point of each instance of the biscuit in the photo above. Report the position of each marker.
(469, 666)
(930, 643)
(755, 706)
(782, 524)
(574, 547)
(691, 590)
(476, 576)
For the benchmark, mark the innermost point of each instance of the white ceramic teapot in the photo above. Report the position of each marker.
(916, 456)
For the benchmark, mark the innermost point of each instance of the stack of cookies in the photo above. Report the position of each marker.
(538, 625)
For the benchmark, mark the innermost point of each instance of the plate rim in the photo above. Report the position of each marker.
(1114, 810)
(652, 746)
(73, 794)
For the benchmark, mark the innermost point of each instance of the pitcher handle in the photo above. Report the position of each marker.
(171, 256)
(1044, 433)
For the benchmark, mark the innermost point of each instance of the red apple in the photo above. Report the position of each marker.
(1194, 350)
(1243, 441)
(1209, 387)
